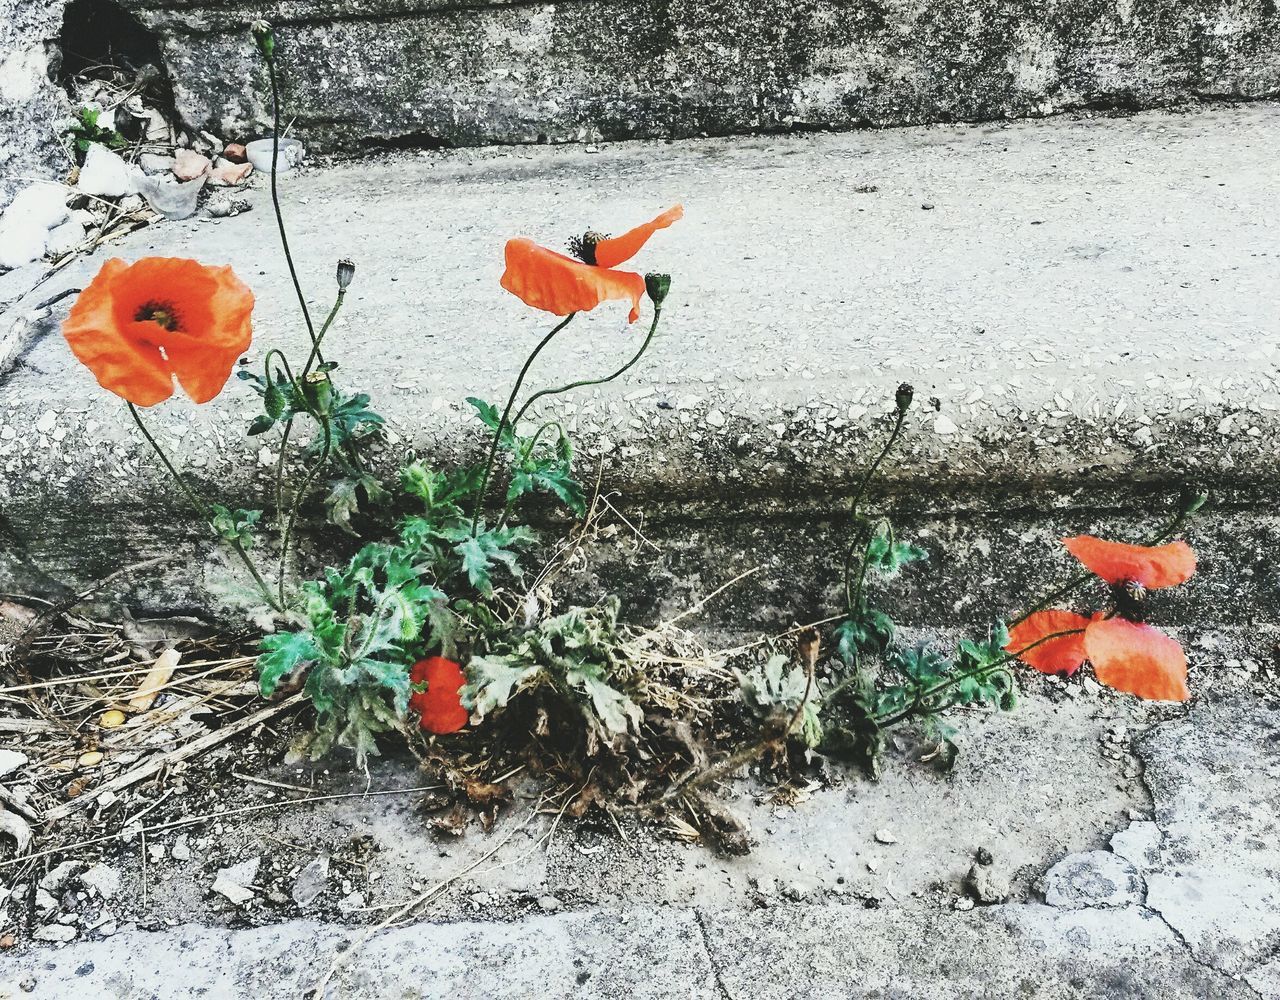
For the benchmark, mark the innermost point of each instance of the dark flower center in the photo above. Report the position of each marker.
(159, 312)
(584, 247)
(1130, 599)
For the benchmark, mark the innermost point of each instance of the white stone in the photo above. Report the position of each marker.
(56, 933)
(21, 242)
(64, 238)
(102, 879)
(1094, 878)
(1139, 844)
(944, 425)
(105, 174)
(311, 881)
(45, 205)
(10, 761)
(235, 882)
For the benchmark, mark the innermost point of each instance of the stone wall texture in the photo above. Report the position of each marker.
(30, 102)
(469, 72)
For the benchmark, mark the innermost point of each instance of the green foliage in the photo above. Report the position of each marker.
(574, 658)
(774, 694)
(887, 556)
(368, 622)
(83, 131)
(234, 526)
(537, 463)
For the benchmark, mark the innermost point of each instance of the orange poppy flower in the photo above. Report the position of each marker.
(438, 707)
(1126, 655)
(1152, 567)
(139, 326)
(558, 284)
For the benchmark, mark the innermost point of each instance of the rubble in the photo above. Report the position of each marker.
(235, 882)
(105, 174)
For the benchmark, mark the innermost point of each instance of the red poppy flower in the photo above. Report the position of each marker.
(438, 707)
(558, 284)
(1126, 655)
(1152, 567)
(139, 326)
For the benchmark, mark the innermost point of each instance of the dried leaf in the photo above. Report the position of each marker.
(157, 677)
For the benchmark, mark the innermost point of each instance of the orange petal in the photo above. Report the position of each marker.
(1154, 567)
(136, 357)
(439, 707)
(612, 252)
(1052, 656)
(561, 285)
(1138, 659)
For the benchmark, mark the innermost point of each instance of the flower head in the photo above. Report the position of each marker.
(1126, 654)
(139, 326)
(559, 284)
(438, 707)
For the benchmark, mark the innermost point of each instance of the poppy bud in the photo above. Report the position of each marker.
(346, 271)
(657, 285)
(904, 396)
(318, 391)
(265, 37)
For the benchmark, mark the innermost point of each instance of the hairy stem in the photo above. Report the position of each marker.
(653, 327)
(298, 497)
(858, 496)
(502, 423)
(201, 507)
(275, 201)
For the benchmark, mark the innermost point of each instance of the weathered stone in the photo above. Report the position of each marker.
(188, 164)
(311, 881)
(236, 882)
(1139, 844)
(105, 174)
(30, 102)
(360, 72)
(1095, 878)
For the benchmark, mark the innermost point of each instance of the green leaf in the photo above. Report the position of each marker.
(344, 498)
(234, 526)
(887, 557)
(483, 553)
(491, 417)
(613, 708)
(283, 653)
(261, 424)
(923, 664)
(492, 680)
(867, 634)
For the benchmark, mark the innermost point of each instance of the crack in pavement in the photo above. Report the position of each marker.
(711, 958)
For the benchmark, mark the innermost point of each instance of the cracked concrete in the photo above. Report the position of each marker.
(1214, 786)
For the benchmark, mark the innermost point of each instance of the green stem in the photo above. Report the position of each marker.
(1081, 579)
(275, 202)
(525, 452)
(951, 681)
(653, 327)
(502, 424)
(202, 507)
(298, 497)
(858, 495)
(328, 322)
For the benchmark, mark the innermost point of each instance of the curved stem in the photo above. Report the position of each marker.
(328, 322)
(941, 686)
(202, 507)
(275, 201)
(525, 452)
(653, 327)
(1079, 580)
(312, 473)
(858, 495)
(502, 424)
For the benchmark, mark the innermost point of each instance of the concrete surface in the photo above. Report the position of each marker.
(1085, 306)
(428, 73)
(31, 103)
(1214, 787)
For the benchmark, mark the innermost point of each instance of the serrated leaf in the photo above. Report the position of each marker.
(491, 681)
(283, 653)
(261, 424)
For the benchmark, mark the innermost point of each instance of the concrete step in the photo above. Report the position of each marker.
(1146, 875)
(1086, 307)
(425, 72)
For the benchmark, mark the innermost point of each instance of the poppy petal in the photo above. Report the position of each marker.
(138, 325)
(550, 281)
(1152, 566)
(439, 707)
(619, 249)
(1063, 655)
(1137, 658)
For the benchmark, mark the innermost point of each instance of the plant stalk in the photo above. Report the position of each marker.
(502, 423)
(202, 507)
(858, 496)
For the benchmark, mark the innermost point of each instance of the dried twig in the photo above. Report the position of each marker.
(192, 749)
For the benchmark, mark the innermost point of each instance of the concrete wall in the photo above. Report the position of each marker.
(30, 102)
(467, 72)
